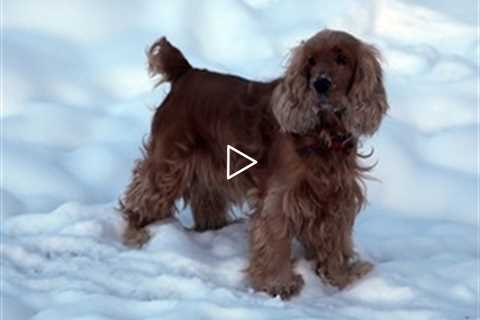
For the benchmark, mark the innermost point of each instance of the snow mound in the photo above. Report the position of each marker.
(70, 264)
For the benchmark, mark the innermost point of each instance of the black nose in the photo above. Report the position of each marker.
(322, 85)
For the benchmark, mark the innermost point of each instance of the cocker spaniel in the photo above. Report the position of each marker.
(304, 130)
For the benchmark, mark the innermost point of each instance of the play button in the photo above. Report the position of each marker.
(251, 164)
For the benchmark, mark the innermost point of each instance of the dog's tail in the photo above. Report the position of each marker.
(166, 61)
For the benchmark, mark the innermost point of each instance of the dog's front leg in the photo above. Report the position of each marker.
(336, 261)
(271, 267)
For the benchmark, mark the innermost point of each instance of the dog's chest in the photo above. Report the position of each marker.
(325, 165)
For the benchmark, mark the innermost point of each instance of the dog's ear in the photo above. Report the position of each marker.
(297, 63)
(367, 92)
(295, 77)
(291, 98)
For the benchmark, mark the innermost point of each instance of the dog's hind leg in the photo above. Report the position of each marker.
(150, 197)
(209, 208)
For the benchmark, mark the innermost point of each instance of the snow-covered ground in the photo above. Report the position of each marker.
(77, 102)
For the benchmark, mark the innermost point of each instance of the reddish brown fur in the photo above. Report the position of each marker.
(307, 184)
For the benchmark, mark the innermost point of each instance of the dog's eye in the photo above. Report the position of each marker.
(311, 61)
(341, 59)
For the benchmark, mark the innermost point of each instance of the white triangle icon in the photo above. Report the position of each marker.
(251, 164)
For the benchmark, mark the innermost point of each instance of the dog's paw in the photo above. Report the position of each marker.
(285, 289)
(345, 276)
(359, 269)
(135, 238)
(211, 223)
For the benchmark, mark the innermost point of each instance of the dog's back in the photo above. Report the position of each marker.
(205, 110)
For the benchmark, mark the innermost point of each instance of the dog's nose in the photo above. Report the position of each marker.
(322, 85)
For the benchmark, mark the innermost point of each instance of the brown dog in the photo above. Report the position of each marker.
(303, 129)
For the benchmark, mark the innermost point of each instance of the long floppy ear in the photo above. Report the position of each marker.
(292, 100)
(295, 77)
(367, 93)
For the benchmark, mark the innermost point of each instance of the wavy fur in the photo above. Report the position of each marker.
(308, 183)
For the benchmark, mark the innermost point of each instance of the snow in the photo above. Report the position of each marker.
(78, 103)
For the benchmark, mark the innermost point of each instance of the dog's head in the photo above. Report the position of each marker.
(333, 75)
